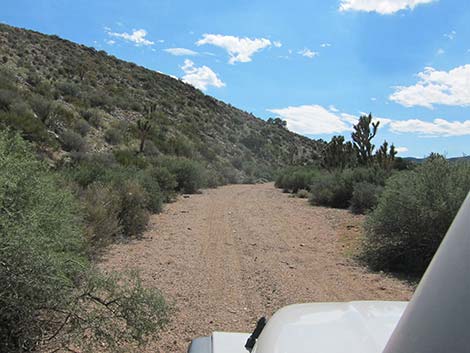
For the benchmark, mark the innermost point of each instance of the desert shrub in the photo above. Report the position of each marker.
(413, 214)
(71, 141)
(94, 168)
(294, 179)
(149, 181)
(179, 146)
(364, 197)
(166, 181)
(133, 214)
(21, 108)
(335, 189)
(113, 136)
(212, 178)
(129, 158)
(230, 175)
(41, 106)
(67, 89)
(330, 190)
(82, 127)
(93, 116)
(150, 149)
(189, 174)
(7, 97)
(371, 175)
(51, 297)
(101, 207)
(30, 127)
(302, 194)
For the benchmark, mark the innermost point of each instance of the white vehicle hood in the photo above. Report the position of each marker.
(355, 327)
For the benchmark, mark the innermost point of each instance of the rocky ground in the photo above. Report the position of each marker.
(230, 255)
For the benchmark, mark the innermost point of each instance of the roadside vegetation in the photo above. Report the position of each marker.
(409, 207)
(51, 295)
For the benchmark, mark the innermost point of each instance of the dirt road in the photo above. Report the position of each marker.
(230, 255)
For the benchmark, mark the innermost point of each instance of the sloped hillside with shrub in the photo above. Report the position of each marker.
(73, 100)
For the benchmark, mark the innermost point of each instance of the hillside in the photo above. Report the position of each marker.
(72, 100)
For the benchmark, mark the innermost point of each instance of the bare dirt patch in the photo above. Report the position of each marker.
(231, 255)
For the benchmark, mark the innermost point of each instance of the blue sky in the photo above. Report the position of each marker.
(318, 64)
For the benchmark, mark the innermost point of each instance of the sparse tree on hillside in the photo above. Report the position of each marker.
(362, 137)
(278, 122)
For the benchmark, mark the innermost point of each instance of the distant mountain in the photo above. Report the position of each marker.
(72, 100)
(421, 160)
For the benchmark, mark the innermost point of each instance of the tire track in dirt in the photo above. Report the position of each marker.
(230, 255)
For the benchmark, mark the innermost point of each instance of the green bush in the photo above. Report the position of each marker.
(364, 197)
(29, 126)
(294, 179)
(94, 168)
(413, 214)
(148, 179)
(330, 190)
(129, 158)
(133, 214)
(101, 207)
(113, 136)
(189, 174)
(166, 181)
(71, 141)
(51, 298)
(93, 116)
(82, 127)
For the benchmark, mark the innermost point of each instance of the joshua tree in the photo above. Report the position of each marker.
(384, 157)
(362, 137)
(144, 126)
(338, 154)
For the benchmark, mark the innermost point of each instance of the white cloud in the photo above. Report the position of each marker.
(351, 119)
(239, 49)
(308, 53)
(333, 108)
(440, 51)
(437, 127)
(277, 44)
(200, 77)
(373, 99)
(325, 45)
(111, 42)
(450, 35)
(436, 87)
(316, 120)
(311, 120)
(401, 150)
(137, 37)
(180, 51)
(383, 7)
